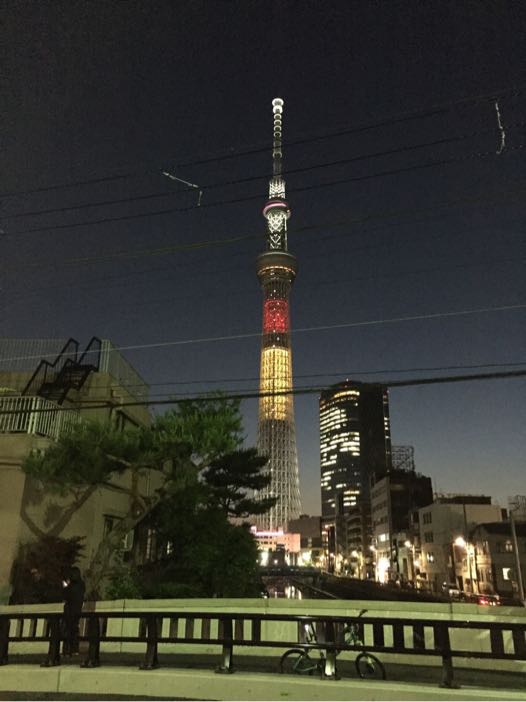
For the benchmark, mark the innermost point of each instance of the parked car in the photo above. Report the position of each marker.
(489, 600)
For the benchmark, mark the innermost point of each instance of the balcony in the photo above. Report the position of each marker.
(35, 415)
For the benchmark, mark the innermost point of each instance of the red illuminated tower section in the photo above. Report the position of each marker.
(276, 269)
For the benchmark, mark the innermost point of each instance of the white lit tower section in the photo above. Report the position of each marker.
(276, 270)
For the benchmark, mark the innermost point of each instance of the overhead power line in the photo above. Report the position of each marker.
(117, 303)
(324, 235)
(342, 374)
(483, 199)
(297, 376)
(325, 327)
(257, 395)
(393, 120)
(251, 198)
(251, 179)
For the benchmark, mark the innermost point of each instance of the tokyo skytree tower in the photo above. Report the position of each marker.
(276, 270)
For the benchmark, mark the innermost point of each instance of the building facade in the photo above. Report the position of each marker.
(497, 558)
(446, 558)
(270, 542)
(39, 400)
(355, 451)
(394, 499)
(309, 529)
(276, 270)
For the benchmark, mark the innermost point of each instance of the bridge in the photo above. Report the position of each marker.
(420, 645)
(324, 585)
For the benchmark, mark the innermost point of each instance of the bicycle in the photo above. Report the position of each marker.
(298, 660)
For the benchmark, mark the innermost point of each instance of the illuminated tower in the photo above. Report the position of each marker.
(276, 270)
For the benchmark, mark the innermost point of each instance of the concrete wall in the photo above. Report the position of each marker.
(101, 388)
(13, 449)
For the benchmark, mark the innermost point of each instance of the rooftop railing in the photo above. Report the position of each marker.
(35, 415)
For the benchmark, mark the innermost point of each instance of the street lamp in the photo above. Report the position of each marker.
(411, 546)
(469, 549)
(359, 556)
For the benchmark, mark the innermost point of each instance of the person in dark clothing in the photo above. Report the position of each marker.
(73, 595)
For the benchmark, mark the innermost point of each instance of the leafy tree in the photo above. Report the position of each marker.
(177, 446)
(123, 581)
(232, 478)
(208, 555)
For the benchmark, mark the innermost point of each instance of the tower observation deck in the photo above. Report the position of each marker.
(276, 270)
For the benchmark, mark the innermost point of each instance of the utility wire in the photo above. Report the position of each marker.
(36, 292)
(251, 198)
(257, 395)
(325, 327)
(344, 374)
(481, 198)
(250, 179)
(396, 119)
(159, 395)
(298, 376)
(93, 283)
(325, 283)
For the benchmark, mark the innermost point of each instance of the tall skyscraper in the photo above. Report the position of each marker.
(355, 450)
(355, 443)
(276, 270)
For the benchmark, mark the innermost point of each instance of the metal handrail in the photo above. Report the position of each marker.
(95, 362)
(408, 636)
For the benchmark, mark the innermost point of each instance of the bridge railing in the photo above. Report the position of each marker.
(448, 639)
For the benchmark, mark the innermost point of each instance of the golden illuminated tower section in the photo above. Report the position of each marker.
(276, 269)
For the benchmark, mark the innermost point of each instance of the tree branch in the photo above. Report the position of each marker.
(116, 459)
(33, 528)
(70, 511)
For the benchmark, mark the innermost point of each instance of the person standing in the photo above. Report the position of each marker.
(73, 595)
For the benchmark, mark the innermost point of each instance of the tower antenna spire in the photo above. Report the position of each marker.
(277, 154)
(277, 211)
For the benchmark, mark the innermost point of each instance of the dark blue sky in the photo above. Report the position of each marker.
(107, 88)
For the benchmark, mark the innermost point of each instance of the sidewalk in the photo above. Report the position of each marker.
(121, 682)
(396, 672)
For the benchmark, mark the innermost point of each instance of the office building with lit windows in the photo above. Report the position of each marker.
(355, 450)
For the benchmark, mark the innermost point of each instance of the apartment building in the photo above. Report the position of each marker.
(45, 387)
(445, 526)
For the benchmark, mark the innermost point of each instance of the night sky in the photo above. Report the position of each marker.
(430, 220)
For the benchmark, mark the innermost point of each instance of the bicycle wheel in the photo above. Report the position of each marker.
(295, 660)
(368, 666)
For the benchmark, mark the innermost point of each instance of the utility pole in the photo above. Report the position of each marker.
(517, 558)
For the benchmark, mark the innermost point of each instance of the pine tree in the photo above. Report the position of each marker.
(233, 477)
(178, 445)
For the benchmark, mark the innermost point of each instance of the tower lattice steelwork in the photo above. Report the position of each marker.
(276, 270)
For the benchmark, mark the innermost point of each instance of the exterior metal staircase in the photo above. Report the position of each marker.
(68, 372)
